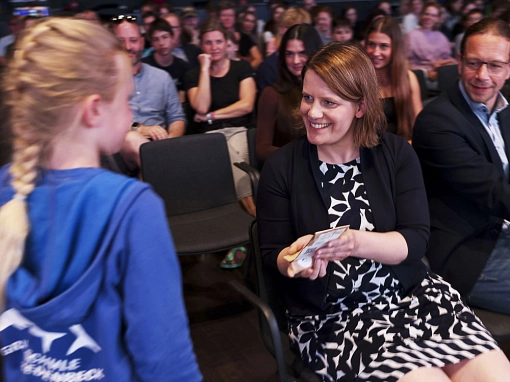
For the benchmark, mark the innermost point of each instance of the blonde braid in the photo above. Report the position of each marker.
(56, 64)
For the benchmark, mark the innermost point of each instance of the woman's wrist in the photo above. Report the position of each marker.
(210, 117)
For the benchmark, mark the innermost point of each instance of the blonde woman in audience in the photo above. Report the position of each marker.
(89, 276)
(385, 46)
(290, 17)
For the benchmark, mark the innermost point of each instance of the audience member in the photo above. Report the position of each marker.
(453, 15)
(350, 13)
(147, 19)
(427, 48)
(385, 46)
(470, 18)
(248, 50)
(183, 50)
(410, 21)
(190, 24)
(276, 119)
(308, 4)
(232, 48)
(164, 9)
(462, 141)
(222, 94)
(155, 103)
(268, 70)
(88, 14)
(15, 27)
(367, 308)
(323, 23)
(341, 30)
(160, 34)
(386, 7)
(90, 277)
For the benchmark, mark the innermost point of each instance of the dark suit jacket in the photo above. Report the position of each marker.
(290, 204)
(468, 194)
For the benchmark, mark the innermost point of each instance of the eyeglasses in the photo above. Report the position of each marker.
(494, 67)
(121, 18)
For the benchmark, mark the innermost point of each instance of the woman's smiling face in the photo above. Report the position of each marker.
(327, 117)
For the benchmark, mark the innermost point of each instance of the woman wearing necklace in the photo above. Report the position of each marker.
(222, 94)
(400, 89)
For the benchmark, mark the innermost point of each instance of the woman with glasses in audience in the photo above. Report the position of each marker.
(385, 46)
(222, 94)
(276, 119)
(362, 306)
(90, 285)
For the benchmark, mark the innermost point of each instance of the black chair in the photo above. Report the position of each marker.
(253, 168)
(193, 175)
(447, 76)
(272, 316)
(423, 84)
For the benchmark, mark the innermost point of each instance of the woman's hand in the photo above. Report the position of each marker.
(318, 268)
(200, 118)
(205, 60)
(340, 248)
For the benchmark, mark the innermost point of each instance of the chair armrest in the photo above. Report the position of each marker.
(272, 324)
(254, 175)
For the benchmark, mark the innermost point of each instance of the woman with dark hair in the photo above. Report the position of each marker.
(276, 119)
(365, 308)
(385, 46)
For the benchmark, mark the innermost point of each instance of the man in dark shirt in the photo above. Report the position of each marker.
(161, 36)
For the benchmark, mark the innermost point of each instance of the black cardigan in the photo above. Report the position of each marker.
(290, 204)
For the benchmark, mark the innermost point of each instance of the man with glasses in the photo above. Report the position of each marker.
(463, 142)
(156, 107)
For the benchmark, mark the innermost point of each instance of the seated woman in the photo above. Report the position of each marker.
(400, 89)
(427, 48)
(367, 309)
(276, 120)
(90, 283)
(222, 94)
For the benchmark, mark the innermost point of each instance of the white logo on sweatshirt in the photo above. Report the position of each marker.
(12, 317)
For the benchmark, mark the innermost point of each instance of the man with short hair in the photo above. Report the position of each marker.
(184, 51)
(463, 141)
(157, 110)
(160, 35)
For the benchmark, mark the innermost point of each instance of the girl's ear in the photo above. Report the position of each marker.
(91, 110)
(362, 108)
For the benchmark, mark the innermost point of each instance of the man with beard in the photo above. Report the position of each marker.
(463, 142)
(157, 110)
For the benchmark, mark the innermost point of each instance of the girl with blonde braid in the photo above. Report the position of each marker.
(90, 285)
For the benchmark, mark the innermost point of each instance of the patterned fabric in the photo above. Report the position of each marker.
(371, 331)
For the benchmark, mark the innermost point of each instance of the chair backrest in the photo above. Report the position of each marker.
(191, 173)
(423, 84)
(252, 147)
(447, 76)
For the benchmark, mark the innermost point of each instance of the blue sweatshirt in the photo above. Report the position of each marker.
(98, 295)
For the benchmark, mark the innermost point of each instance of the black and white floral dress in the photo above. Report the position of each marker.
(372, 332)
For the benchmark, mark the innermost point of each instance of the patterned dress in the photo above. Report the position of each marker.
(371, 331)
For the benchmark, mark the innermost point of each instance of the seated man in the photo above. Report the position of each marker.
(156, 107)
(463, 141)
(161, 36)
(185, 51)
